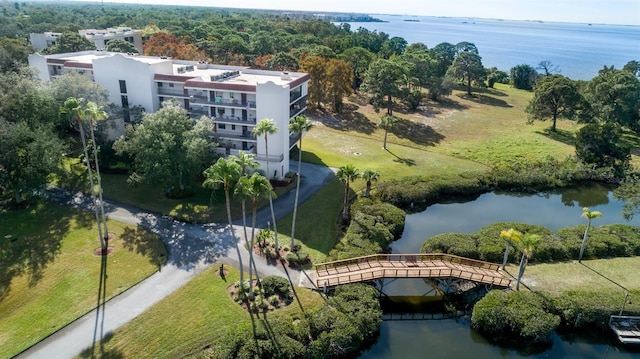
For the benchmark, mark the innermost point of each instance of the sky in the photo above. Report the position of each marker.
(625, 12)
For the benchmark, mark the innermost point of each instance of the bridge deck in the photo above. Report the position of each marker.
(368, 268)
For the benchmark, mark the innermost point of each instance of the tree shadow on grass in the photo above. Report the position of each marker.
(90, 352)
(417, 133)
(350, 121)
(485, 100)
(563, 136)
(144, 243)
(405, 161)
(30, 239)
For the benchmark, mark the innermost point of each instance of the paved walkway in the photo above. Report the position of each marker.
(192, 249)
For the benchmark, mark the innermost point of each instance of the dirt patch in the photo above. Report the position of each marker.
(99, 252)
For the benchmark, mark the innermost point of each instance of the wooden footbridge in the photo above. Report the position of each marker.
(382, 266)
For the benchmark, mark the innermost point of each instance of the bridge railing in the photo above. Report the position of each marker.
(420, 257)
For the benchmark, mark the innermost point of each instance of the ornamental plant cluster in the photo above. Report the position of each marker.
(347, 321)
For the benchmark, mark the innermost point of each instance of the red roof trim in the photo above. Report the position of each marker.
(172, 78)
(220, 86)
(299, 80)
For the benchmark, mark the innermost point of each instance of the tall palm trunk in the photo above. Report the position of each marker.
(295, 204)
(523, 264)
(584, 241)
(93, 194)
(345, 209)
(233, 235)
(506, 255)
(253, 235)
(95, 156)
(273, 213)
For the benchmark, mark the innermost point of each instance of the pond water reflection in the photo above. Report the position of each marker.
(454, 339)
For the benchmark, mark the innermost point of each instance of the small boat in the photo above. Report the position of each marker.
(626, 328)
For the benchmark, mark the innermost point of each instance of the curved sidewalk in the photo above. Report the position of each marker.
(192, 249)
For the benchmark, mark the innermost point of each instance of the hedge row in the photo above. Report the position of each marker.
(349, 320)
(418, 192)
(614, 240)
(372, 228)
(530, 317)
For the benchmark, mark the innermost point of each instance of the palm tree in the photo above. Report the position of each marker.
(370, 176)
(529, 243)
(386, 123)
(246, 161)
(265, 128)
(347, 174)
(298, 124)
(258, 186)
(589, 215)
(511, 236)
(225, 173)
(74, 110)
(94, 113)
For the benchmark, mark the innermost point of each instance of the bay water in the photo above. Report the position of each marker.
(579, 50)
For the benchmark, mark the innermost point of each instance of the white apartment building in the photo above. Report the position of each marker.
(235, 97)
(98, 37)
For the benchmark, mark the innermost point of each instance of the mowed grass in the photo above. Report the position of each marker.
(49, 275)
(317, 224)
(613, 275)
(198, 314)
(458, 134)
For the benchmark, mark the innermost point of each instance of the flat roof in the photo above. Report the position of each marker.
(232, 75)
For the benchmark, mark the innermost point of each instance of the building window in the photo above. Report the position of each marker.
(123, 86)
(170, 85)
(233, 127)
(222, 126)
(125, 101)
(159, 84)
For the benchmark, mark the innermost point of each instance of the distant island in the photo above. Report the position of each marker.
(411, 20)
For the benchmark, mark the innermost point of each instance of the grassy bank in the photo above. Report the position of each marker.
(50, 275)
(198, 315)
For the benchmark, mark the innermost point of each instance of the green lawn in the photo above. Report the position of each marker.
(459, 134)
(318, 220)
(199, 314)
(613, 275)
(49, 274)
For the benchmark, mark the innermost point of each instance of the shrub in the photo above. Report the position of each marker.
(460, 244)
(275, 285)
(591, 310)
(524, 316)
(372, 229)
(298, 259)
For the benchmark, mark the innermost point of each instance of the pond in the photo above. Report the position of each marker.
(454, 338)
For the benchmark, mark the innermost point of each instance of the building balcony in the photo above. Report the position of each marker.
(167, 92)
(235, 120)
(298, 107)
(235, 135)
(271, 158)
(219, 102)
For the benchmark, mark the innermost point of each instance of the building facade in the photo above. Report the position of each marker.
(237, 98)
(99, 37)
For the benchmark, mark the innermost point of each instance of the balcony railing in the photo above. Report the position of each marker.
(271, 158)
(235, 120)
(298, 106)
(294, 96)
(249, 105)
(163, 91)
(234, 135)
